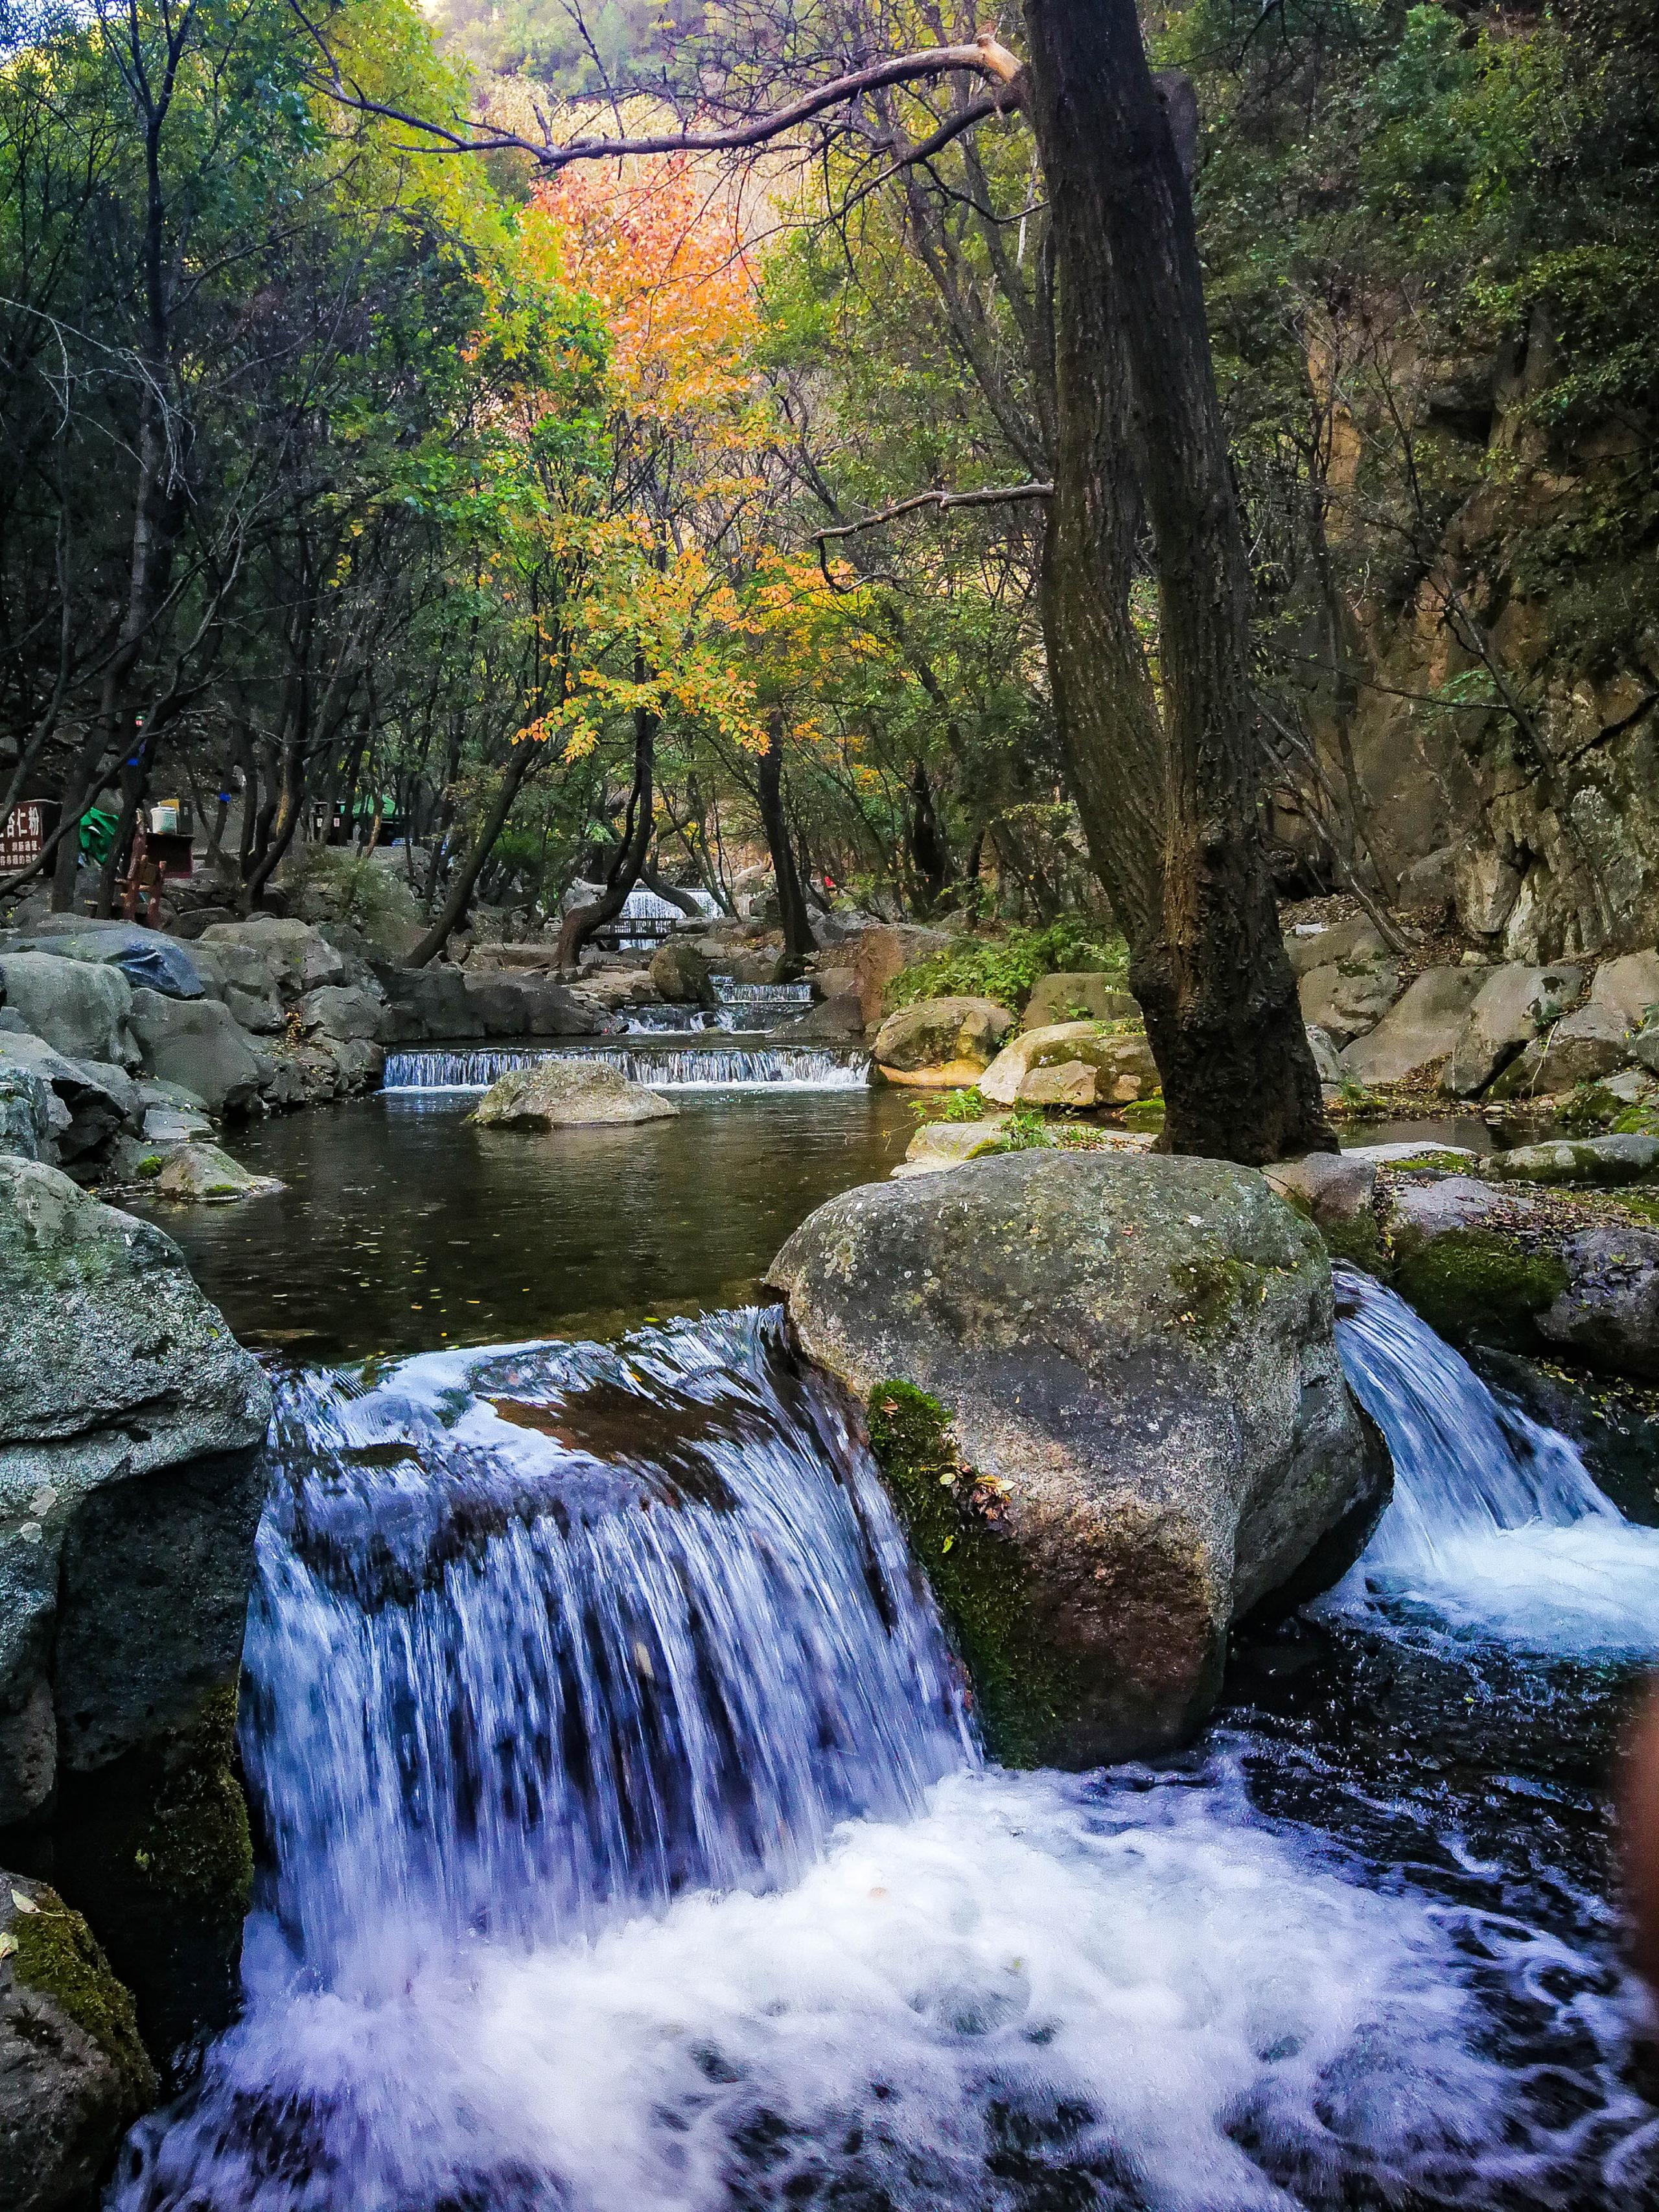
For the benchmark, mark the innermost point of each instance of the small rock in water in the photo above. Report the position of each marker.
(202, 1174)
(561, 1093)
(1613, 1159)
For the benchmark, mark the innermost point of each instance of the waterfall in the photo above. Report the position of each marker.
(730, 992)
(691, 1068)
(626, 1851)
(1495, 1526)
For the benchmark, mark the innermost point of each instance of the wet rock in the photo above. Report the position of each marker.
(836, 1020)
(201, 1174)
(80, 1008)
(1121, 1368)
(1508, 1012)
(940, 1044)
(939, 1145)
(1082, 995)
(1628, 987)
(1605, 1160)
(560, 1093)
(1464, 1256)
(881, 952)
(1607, 1312)
(148, 960)
(524, 1005)
(680, 974)
(1580, 1049)
(73, 2074)
(128, 1488)
(1072, 1064)
(1409, 1042)
(200, 1045)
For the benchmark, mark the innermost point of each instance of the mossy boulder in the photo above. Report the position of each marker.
(1136, 1427)
(73, 2073)
(203, 1175)
(1078, 1064)
(558, 1093)
(940, 1044)
(1593, 1160)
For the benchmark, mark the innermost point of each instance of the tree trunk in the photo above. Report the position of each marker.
(798, 938)
(579, 924)
(524, 757)
(1168, 789)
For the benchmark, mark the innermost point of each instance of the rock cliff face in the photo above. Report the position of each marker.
(129, 1486)
(1105, 1394)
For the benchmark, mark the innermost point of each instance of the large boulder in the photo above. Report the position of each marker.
(1508, 1010)
(1581, 1049)
(1349, 997)
(79, 1008)
(1354, 939)
(147, 958)
(1593, 1160)
(1105, 1394)
(200, 1174)
(297, 957)
(28, 1125)
(424, 1003)
(559, 1093)
(881, 952)
(1628, 987)
(199, 1045)
(939, 1044)
(1607, 1314)
(524, 1006)
(341, 1011)
(1072, 1064)
(1076, 996)
(129, 1491)
(74, 2074)
(837, 1019)
(94, 1101)
(1412, 1039)
(680, 973)
(243, 979)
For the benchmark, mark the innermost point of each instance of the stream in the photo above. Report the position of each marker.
(626, 1847)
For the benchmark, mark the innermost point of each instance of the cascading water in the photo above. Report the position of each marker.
(1495, 1526)
(628, 1853)
(781, 996)
(690, 1067)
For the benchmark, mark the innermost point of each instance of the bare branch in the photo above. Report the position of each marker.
(941, 501)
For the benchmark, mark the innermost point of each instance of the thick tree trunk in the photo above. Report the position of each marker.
(1168, 788)
(798, 938)
(579, 924)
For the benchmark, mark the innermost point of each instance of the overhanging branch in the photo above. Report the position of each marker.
(941, 501)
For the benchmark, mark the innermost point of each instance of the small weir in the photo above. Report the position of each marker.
(627, 1850)
(678, 1068)
(779, 998)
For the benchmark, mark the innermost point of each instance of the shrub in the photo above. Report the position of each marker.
(1005, 968)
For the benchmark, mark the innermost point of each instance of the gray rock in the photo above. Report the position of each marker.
(1605, 1160)
(1353, 940)
(27, 1126)
(1347, 998)
(339, 1012)
(153, 1092)
(241, 978)
(1079, 995)
(1628, 987)
(836, 1020)
(680, 974)
(423, 1003)
(73, 2074)
(1323, 1047)
(561, 1093)
(80, 1008)
(1331, 1187)
(941, 1144)
(1418, 1213)
(1431, 881)
(97, 1101)
(1148, 1416)
(174, 1125)
(524, 1006)
(1643, 1047)
(359, 1064)
(941, 1044)
(199, 1174)
(200, 1046)
(1488, 886)
(1609, 1314)
(1580, 1049)
(1411, 1040)
(296, 957)
(1509, 1010)
(881, 952)
(147, 959)
(128, 1488)
(1073, 1064)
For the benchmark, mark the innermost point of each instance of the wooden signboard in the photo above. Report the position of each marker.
(24, 832)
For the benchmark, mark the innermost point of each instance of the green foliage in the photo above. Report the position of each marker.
(1473, 1286)
(57, 1954)
(1004, 967)
(335, 883)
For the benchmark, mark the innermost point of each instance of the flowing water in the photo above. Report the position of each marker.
(664, 1067)
(625, 1846)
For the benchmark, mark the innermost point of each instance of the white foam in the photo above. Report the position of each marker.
(1177, 1973)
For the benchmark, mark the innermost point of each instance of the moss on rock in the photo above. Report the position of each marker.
(193, 1846)
(1021, 1690)
(1474, 1284)
(58, 1957)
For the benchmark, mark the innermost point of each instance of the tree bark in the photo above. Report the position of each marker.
(579, 924)
(798, 938)
(1168, 788)
(524, 756)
